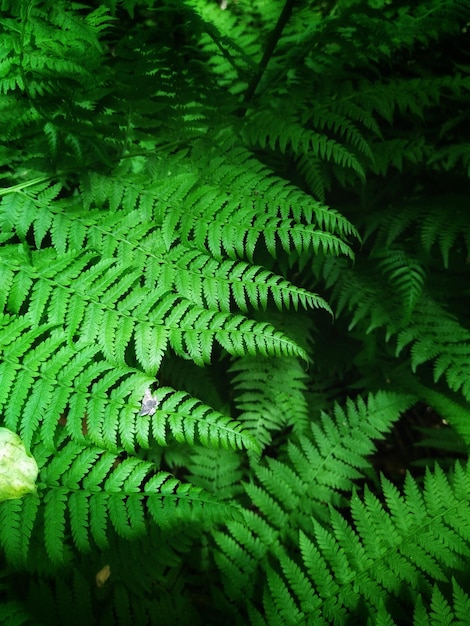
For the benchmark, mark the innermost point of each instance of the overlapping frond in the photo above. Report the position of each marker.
(446, 231)
(286, 134)
(54, 387)
(270, 395)
(437, 335)
(86, 492)
(345, 567)
(79, 291)
(318, 468)
(442, 608)
(14, 614)
(406, 275)
(364, 294)
(217, 471)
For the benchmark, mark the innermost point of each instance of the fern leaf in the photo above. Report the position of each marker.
(13, 614)
(378, 552)
(216, 471)
(406, 275)
(54, 520)
(163, 223)
(257, 205)
(461, 602)
(86, 487)
(373, 418)
(368, 302)
(105, 282)
(438, 335)
(445, 231)
(16, 519)
(319, 468)
(270, 395)
(187, 418)
(281, 133)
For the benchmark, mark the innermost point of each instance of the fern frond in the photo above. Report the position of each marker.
(318, 468)
(262, 205)
(232, 64)
(455, 156)
(406, 275)
(345, 568)
(13, 614)
(395, 153)
(442, 611)
(188, 420)
(265, 207)
(437, 335)
(322, 118)
(434, 227)
(288, 134)
(88, 491)
(56, 384)
(331, 455)
(85, 306)
(446, 232)
(363, 296)
(216, 471)
(270, 395)
(312, 171)
(165, 251)
(431, 333)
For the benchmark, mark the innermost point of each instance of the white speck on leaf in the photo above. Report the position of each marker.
(149, 403)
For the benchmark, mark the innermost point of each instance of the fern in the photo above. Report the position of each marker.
(97, 488)
(425, 535)
(317, 469)
(234, 258)
(441, 610)
(406, 275)
(217, 471)
(13, 614)
(256, 382)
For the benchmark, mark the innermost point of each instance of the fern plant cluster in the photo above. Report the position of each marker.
(234, 258)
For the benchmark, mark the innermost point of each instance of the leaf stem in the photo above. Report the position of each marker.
(28, 183)
(268, 53)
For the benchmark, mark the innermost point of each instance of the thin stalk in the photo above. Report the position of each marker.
(28, 183)
(268, 53)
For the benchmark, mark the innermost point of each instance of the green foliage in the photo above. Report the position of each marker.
(234, 257)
